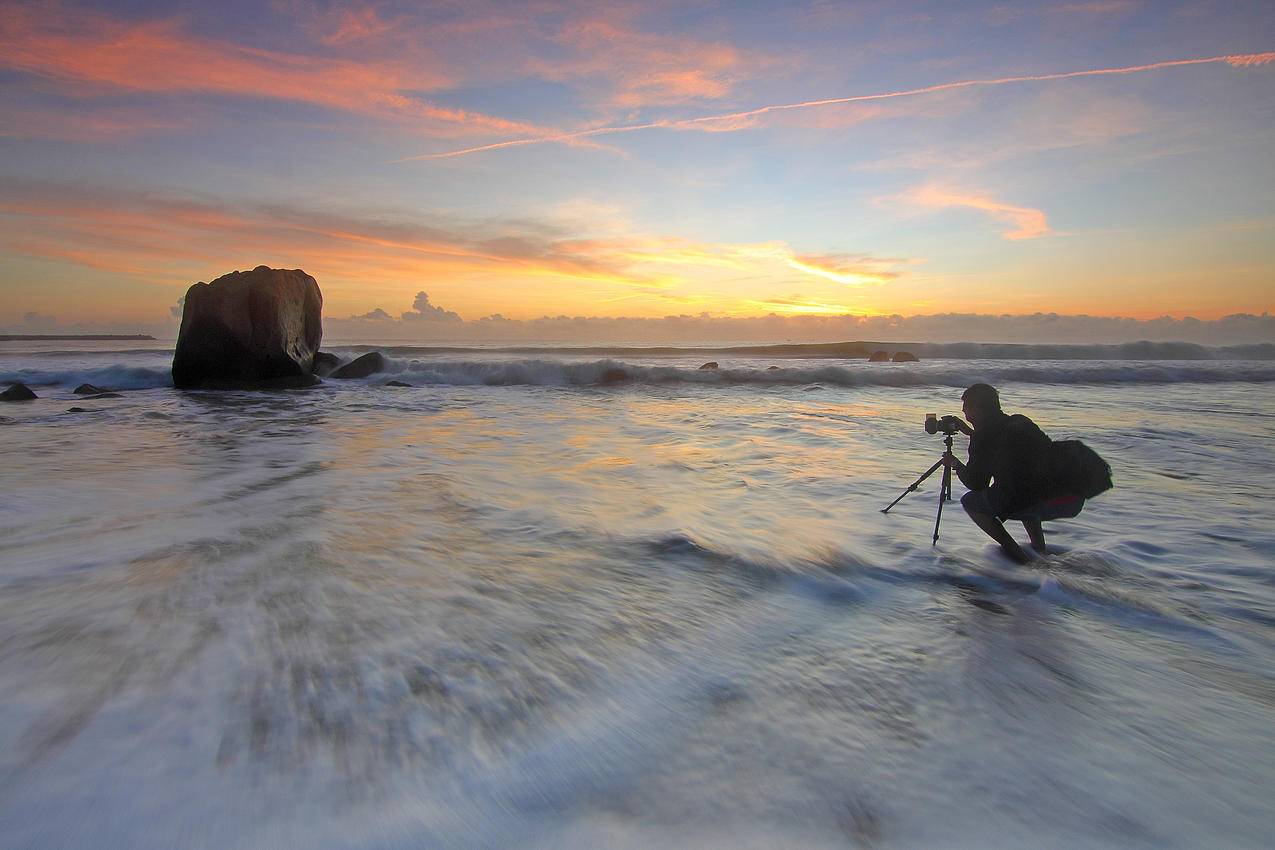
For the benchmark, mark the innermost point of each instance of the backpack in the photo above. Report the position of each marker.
(1079, 469)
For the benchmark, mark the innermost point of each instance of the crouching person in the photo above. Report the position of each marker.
(1011, 473)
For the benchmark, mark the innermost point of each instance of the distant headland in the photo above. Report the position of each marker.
(12, 337)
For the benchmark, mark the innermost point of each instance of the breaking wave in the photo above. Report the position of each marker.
(618, 372)
(860, 350)
(614, 372)
(118, 376)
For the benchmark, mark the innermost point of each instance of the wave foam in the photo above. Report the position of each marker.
(618, 372)
(613, 372)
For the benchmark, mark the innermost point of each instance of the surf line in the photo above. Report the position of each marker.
(1235, 60)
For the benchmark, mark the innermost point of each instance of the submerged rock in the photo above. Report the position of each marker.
(88, 389)
(257, 328)
(102, 395)
(879, 357)
(614, 375)
(361, 367)
(18, 392)
(772, 368)
(905, 357)
(710, 365)
(396, 384)
(324, 363)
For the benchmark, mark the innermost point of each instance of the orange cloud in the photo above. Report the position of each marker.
(852, 270)
(170, 241)
(800, 305)
(92, 55)
(1026, 222)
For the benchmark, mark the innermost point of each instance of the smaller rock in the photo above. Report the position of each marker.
(77, 410)
(361, 367)
(879, 357)
(325, 364)
(614, 375)
(89, 389)
(103, 395)
(772, 368)
(710, 365)
(904, 357)
(396, 384)
(18, 392)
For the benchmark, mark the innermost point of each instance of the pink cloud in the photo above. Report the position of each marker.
(90, 55)
(638, 68)
(346, 25)
(1025, 222)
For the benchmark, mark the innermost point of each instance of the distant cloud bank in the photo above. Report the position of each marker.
(430, 323)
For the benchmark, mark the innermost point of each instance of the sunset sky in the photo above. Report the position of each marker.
(638, 159)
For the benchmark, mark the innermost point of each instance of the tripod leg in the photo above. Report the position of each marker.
(945, 493)
(912, 487)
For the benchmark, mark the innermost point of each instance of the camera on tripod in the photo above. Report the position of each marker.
(948, 425)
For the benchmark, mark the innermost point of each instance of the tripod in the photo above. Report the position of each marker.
(945, 492)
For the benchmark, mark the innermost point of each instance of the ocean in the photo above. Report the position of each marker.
(561, 598)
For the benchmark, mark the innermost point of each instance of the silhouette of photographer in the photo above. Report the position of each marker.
(1011, 473)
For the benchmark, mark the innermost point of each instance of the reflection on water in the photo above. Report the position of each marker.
(499, 616)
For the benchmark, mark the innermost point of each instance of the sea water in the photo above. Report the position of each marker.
(529, 602)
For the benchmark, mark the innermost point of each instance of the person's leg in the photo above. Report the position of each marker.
(975, 507)
(1037, 535)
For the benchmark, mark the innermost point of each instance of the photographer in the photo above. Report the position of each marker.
(1009, 474)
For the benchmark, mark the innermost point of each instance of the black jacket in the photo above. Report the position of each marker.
(1012, 455)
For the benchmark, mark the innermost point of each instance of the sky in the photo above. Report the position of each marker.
(1097, 170)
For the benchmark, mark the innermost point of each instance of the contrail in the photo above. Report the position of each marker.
(1237, 60)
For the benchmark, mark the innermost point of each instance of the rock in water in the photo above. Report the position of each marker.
(18, 392)
(905, 357)
(361, 367)
(711, 365)
(88, 389)
(396, 384)
(324, 363)
(879, 357)
(614, 375)
(249, 328)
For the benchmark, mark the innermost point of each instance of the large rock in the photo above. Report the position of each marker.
(879, 357)
(361, 367)
(254, 328)
(904, 357)
(18, 392)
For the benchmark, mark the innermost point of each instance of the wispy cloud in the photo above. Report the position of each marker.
(1025, 222)
(739, 120)
(174, 239)
(640, 68)
(87, 55)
